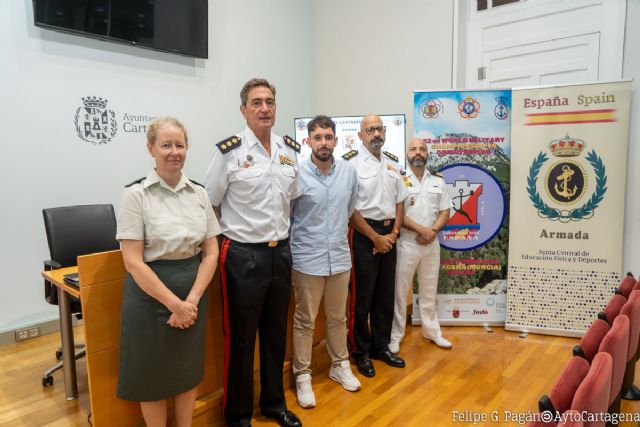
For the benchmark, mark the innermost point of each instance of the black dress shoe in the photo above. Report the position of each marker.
(285, 418)
(365, 367)
(389, 358)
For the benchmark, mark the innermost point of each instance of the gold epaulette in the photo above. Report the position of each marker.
(229, 144)
(137, 181)
(391, 156)
(350, 155)
(291, 143)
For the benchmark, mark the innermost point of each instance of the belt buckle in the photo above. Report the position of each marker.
(272, 243)
(386, 222)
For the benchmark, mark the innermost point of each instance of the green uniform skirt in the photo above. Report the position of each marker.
(158, 361)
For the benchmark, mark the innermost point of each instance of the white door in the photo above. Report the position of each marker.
(539, 42)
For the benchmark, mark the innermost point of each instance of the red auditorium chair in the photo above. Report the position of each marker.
(613, 308)
(571, 419)
(561, 395)
(593, 394)
(590, 342)
(616, 343)
(632, 310)
(627, 284)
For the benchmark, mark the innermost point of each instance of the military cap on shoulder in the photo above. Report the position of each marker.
(229, 144)
(196, 183)
(137, 181)
(350, 155)
(291, 143)
(391, 156)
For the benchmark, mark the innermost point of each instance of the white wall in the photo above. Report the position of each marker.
(631, 69)
(44, 74)
(370, 55)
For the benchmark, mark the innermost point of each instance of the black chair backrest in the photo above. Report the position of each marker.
(79, 230)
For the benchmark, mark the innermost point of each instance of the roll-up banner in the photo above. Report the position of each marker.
(569, 147)
(468, 138)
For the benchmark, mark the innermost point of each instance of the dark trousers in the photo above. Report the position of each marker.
(256, 286)
(372, 294)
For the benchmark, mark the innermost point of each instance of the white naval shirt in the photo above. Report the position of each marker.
(426, 199)
(380, 185)
(254, 190)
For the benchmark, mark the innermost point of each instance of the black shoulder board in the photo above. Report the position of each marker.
(196, 183)
(350, 155)
(391, 156)
(229, 144)
(435, 173)
(137, 181)
(291, 143)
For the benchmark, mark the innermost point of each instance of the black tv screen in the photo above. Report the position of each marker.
(178, 26)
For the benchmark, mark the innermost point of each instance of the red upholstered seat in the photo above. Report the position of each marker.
(632, 310)
(571, 418)
(561, 394)
(616, 343)
(627, 284)
(590, 342)
(593, 393)
(613, 307)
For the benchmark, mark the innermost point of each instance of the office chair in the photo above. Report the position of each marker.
(73, 231)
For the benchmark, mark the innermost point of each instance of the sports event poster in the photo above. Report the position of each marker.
(468, 138)
(568, 179)
(347, 128)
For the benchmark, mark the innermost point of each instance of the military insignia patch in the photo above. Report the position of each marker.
(350, 155)
(291, 143)
(284, 160)
(391, 156)
(229, 144)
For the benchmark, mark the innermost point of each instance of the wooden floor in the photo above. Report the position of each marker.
(485, 372)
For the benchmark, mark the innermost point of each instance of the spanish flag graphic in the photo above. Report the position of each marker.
(571, 117)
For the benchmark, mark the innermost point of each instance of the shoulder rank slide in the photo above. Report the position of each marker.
(436, 174)
(137, 181)
(350, 154)
(196, 183)
(229, 144)
(291, 143)
(391, 156)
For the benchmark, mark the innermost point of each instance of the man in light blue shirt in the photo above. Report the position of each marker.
(321, 257)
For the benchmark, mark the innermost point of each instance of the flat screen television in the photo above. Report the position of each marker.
(177, 26)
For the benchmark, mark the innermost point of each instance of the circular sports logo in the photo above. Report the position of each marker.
(478, 207)
(566, 182)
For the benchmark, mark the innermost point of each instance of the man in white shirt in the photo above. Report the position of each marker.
(376, 221)
(426, 212)
(251, 180)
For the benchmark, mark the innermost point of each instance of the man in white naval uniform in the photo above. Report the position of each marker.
(426, 212)
(376, 221)
(252, 180)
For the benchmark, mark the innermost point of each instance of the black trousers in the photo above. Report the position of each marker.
(256, 286)
(372, 294)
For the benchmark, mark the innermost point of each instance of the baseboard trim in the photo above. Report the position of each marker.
(46, 328)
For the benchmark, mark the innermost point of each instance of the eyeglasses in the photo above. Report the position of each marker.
(372, 130)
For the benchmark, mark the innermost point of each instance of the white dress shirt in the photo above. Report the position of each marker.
(253, 189)
(380, 185)
(426, 199)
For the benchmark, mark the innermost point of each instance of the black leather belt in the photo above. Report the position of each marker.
(380, 223)
(269, 244)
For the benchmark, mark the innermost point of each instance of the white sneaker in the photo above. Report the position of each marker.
(441, 342)
(304, 392)
(394, 347)
(341, 373)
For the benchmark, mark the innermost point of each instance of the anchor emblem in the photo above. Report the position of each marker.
(565, 177)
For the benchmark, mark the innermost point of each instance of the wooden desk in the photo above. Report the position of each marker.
(66, 329)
